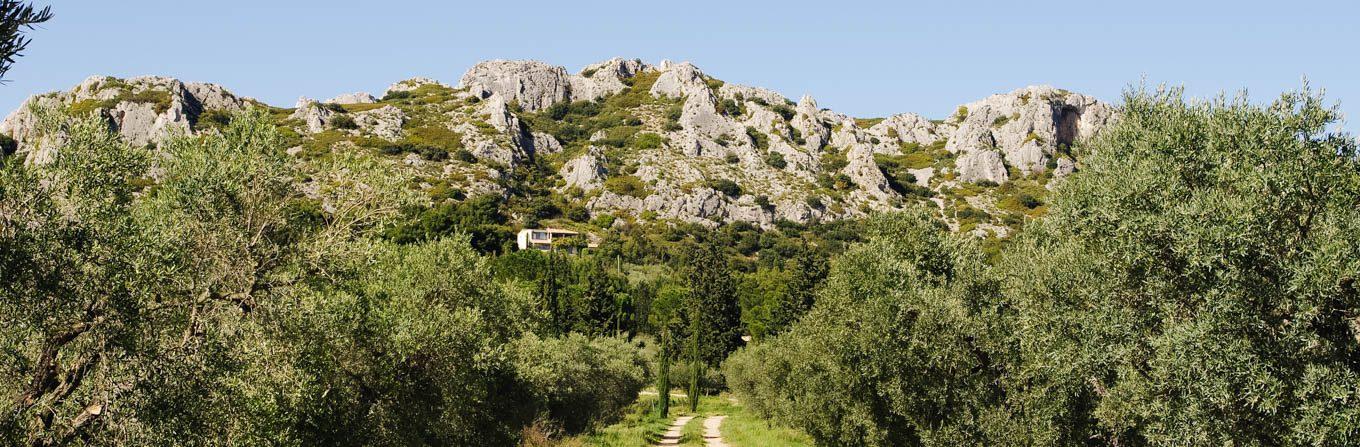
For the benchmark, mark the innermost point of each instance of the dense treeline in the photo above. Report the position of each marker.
(214, 291)
(1194, 284)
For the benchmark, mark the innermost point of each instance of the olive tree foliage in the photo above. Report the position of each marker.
(214, 291)
(15, 17)
(1196, 283)
(897, 350)
(1193, 284)
(140, 286)
(77, 284)
(577, 380)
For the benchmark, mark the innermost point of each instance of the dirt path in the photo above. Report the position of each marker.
(712, 436)
(674, 433)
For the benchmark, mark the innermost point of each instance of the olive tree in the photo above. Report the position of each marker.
(1195, 282)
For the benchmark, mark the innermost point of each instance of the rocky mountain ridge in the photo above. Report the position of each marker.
(639, 141)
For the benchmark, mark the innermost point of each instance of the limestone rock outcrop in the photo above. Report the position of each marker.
(533, 85)
(982, 165)
(353, 98)
(314, 115)
(143, 110)
(585, 171)
(410, 85)
(603, 78)
(383, 122)
(1028, 126)
(693, 148)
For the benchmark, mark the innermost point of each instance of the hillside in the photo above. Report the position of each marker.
(622, 141)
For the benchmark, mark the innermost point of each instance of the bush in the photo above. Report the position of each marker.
(784, 111)
(647, 140)
(763, 202)
(577, 380)
(393, 96)
(727, 187)
(1164, 300)
(342, 121)
(731, 108)
(213, 119)
(465, 156)
(775, 160)
(8, 146)
(758, 138)
(626, 185)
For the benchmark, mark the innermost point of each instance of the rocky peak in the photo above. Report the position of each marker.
(410, 85)
(533, 84)
(675, 144)
(144, 109)
(1029, 127)
(353, 98)
(604, 78)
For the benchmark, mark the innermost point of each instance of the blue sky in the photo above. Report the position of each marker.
(862, 58)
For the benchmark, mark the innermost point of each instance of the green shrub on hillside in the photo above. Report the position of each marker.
(776, 160)
(626, 185)
(784, 111)
(343, 122)
(727, 187)
(758, 138)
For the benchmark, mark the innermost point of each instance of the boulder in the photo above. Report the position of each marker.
(604, 78)
(680, 80)
(865, 173)
(982, 165)
(586, 171)
(745, 93)
(545, 144)
(1065, 167)
(903, 128)
(213, 97)
(383, 122)
(314, 115)
(809, 124)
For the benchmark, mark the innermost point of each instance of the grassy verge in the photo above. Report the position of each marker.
(742, 428)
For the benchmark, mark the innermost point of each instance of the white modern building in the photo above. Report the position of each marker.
(542, 239)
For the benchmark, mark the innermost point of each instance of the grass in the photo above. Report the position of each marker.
(355, 108)
(742, 428)
(640, 427)
(865, 123)
(159, 99)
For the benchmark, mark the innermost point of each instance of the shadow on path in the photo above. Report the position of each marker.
(675, 432)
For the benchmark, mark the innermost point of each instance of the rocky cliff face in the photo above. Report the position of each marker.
(640, 141)
(143, 110)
